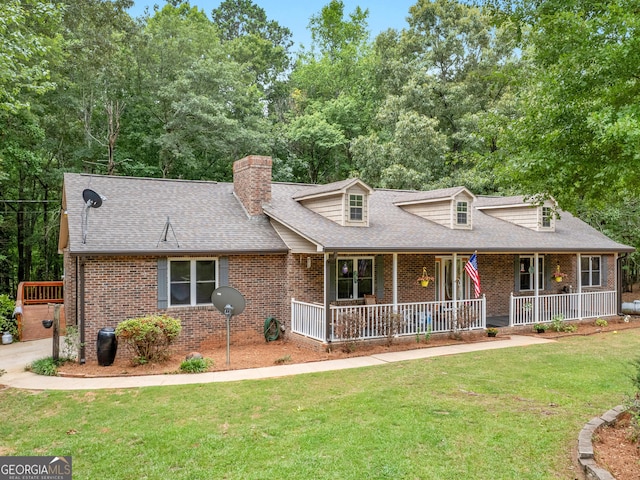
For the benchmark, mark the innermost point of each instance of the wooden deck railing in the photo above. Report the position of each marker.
(39, 293)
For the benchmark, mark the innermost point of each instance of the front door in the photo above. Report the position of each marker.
(444, 279)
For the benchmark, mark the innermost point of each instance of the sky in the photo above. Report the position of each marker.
(295, 14)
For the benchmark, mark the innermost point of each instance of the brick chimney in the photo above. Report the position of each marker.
(252, 182)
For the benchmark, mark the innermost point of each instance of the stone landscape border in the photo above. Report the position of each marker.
(585, 445)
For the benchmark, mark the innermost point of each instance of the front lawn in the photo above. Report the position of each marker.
(504, 414)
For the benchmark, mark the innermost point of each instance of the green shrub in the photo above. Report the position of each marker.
(45, 366)
(149, 337)
(7, 322)
(196, 365)
(601, 322)
(557, 323)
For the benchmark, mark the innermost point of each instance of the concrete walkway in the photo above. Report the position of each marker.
(14, 357)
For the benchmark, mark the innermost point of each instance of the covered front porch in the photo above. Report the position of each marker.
(373, 296)
(379, 321)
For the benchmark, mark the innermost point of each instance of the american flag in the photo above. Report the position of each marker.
(472, 270)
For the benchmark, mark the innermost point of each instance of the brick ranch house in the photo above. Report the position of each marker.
(317, 256)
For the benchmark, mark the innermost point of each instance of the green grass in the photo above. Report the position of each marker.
(504, 414)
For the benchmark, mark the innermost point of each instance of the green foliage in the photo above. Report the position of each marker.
(540, 327)
(557, 323)
(8, 323)
(149, 337)
(601, 322)
(282, 360)
(577, 135)
(45, 366)
(196, 365)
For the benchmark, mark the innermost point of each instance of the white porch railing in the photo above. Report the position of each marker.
(571, 306)
(308, 319)
(360, 322)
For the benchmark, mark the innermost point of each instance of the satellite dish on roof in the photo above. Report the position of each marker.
(91, 200)
(229, 301)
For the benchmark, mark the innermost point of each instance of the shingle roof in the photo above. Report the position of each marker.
(329, 188)
(432, 195)
(393, 229)
(207, 218)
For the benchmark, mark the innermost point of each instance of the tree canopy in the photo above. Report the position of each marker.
(501, 96)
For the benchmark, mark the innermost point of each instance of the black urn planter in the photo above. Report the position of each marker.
(107, 346)
(47, 323)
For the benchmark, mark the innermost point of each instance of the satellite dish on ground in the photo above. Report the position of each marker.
(91, 200)
(229, 301)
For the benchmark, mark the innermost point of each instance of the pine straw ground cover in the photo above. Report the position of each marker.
(501, 414)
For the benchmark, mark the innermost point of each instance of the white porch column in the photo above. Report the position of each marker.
(536, 280)
(325, 294)
(454, 289)
(579, 283)
(395, 283)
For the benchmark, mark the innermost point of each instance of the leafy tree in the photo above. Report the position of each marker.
(262, 45)
(27, 33)
(331, 92)
(577, 137)
(443, 78)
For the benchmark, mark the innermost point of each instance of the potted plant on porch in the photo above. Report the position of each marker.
(424, 279)
(492, 332)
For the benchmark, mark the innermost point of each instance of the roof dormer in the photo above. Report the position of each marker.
(449, 207)
(536, 217)
(345, 202)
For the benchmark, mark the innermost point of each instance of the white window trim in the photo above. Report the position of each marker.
(355, 260)
(192, 276)
(466, 212)
(361, 207)
(541, 279)
(591, 270)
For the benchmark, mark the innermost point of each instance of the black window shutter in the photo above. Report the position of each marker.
(163, 288)
(603, 271)
(516, 274)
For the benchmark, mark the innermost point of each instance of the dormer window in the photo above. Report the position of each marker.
(356, 204)
(547, 214)
(462, 211)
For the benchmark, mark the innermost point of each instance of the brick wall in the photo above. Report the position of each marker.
(118, 288)
(252, 182)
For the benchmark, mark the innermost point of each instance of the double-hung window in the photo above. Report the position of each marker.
(527, 273)
(356, 206)
(355, 277)
(191, 281)
(590, 268)
(462, 211)
(547, 215)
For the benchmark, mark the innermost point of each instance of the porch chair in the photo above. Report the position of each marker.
(370, 300)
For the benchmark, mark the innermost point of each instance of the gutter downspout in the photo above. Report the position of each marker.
(619, 281)
(80, 303)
